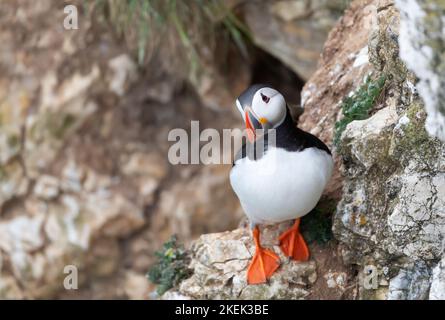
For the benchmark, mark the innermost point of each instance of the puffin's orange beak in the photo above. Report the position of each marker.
(249, 128)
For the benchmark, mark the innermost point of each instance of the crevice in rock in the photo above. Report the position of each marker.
(269, 70)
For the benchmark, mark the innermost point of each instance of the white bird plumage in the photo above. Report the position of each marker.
(284, 181)
(282, 185)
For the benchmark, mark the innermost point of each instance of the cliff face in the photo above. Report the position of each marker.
(84, 174)
(85, 181)
(391, 211)
(293, 31)
(59, 204)
(389, 222)
(422, 42)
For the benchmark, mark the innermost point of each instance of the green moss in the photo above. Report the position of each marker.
(358, 106)
(415, 141)
(58, 125)
(3, 174)
(317, 225)
(13, 141)
(171, 267)
(415, 130)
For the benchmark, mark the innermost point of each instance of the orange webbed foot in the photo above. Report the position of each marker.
(293, 245)
(264, 263)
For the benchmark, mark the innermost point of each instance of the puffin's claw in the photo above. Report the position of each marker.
(262, 267)
(292, 243)
(263, 264)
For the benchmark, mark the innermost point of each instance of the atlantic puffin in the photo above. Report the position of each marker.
(282, 181)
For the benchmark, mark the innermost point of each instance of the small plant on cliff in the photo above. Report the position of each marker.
(317, 225)
(187, 27)
(171, 266)
(358, 106)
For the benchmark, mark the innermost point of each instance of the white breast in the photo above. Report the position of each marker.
(281, 185)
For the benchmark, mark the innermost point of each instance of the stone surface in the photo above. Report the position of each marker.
(220, 261)
(13, 182)
(9, 288)
(437, 291)
(136, 286)
(84, 180)
(391, 209)
(184, 204)
(56, 210)
(22, 234)
(124, 73)
(293, 31)
(390, 214)
(47, 187)
(411, 284)
(343, 65)
(422, 43)
(83, 156)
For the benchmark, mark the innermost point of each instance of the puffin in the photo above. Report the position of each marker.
(282, 179)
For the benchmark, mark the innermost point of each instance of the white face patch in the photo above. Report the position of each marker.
(269, 104)
(240, 108)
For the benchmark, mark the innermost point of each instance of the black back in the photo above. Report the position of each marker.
(288, 137)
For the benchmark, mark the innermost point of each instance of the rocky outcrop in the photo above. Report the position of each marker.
(391, 211)
(220, 262)
(83, 136)
(437, 289)
(422, 42)
(55, 209)
(53, 217)
(83, 179)
(343, 65)
(390, 219)
(293, 31)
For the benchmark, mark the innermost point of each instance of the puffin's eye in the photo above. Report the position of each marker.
(265, 98)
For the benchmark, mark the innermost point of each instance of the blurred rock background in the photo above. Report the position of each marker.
(85, 114)
(84, 119)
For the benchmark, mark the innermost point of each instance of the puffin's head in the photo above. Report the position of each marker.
(261, 107)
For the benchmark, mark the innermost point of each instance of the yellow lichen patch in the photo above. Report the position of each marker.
(362, 220)
(353, 218)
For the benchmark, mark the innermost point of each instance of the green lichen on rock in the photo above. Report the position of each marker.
(13, 141)
(59, 125)
(390, 212)
(359, 105)
(3, 173)
(412, 142)
(415, 132)
(52, 126)
(171, 267)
